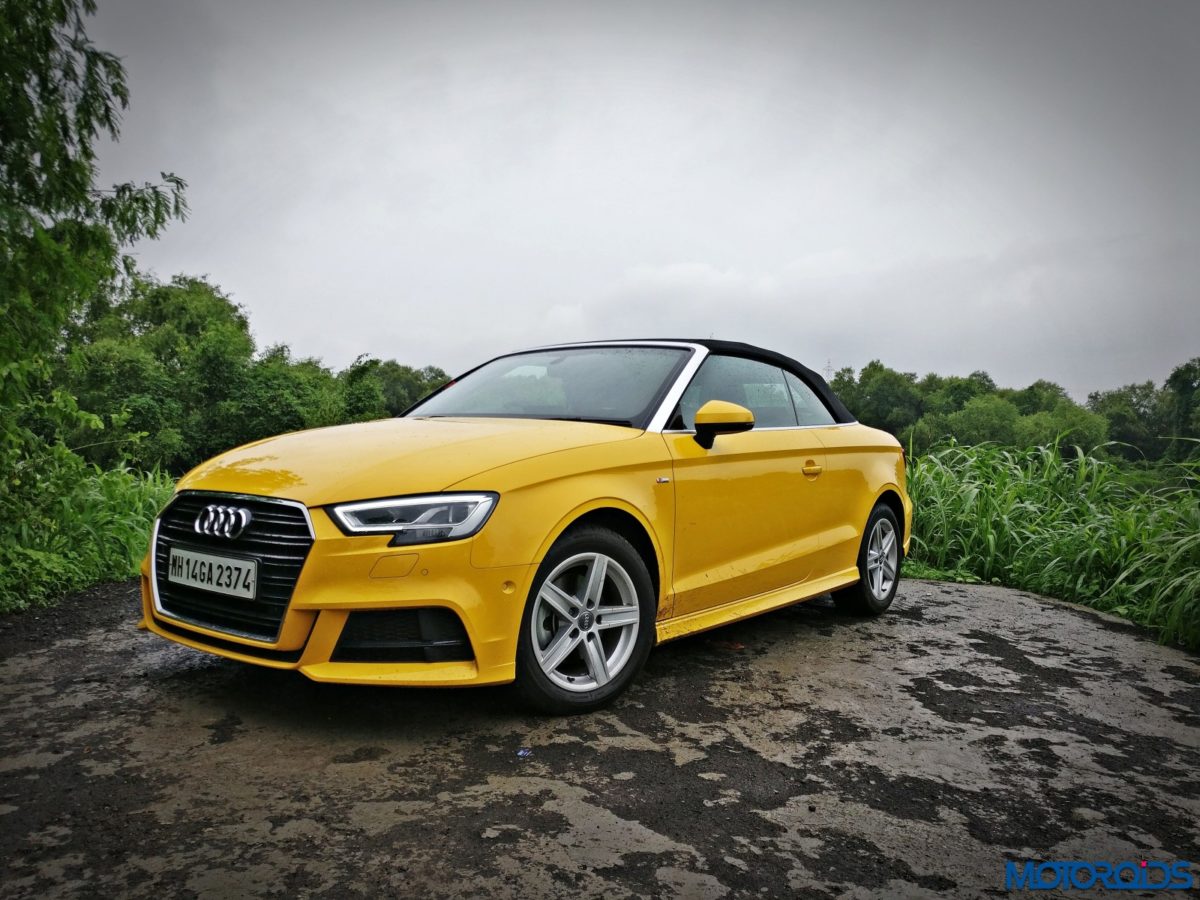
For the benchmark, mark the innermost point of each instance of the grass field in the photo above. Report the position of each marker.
(93, 526)
(1073, 527)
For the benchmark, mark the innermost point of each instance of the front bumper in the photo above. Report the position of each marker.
(361, 573)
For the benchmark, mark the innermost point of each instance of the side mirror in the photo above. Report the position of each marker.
(720, 417)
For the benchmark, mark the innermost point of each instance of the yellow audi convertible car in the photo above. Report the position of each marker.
(546, 518)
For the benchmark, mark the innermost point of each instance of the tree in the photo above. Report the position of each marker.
(1068, 423)
(1135, 419)
(1041, 396)
(363, 390)
(161, 363)
(950, 394)
(403, 385)
(984, 419)
(135, 397)
(60, 235)
(1181, 407)
(275, 395)
(929, 431)
(172, 372)
(845, 386)
(61, 239)
(885, 398)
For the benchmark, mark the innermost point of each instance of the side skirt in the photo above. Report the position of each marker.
(692, 623)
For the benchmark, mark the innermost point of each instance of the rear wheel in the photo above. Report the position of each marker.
(588, 624)
(879, 560)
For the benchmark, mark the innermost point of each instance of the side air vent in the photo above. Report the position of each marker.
(432, 634)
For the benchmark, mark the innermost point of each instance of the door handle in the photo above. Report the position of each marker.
(811, 468)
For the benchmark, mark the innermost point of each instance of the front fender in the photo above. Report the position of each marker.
(540, 498)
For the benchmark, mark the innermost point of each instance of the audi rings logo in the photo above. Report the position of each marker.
(222, 521)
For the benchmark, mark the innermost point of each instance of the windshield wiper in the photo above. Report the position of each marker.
(599, 420)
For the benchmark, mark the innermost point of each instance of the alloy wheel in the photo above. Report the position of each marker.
(883, 556)
(585, 622)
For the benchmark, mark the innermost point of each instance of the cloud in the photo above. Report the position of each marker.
(1083, 314)
(1003, 186)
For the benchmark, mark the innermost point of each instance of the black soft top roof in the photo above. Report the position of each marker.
(805, 374)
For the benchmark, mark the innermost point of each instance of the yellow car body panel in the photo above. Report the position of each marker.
(748, 517)
(765, 518)
(861, 464)
(369, 459)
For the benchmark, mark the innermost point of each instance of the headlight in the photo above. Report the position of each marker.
(418, 520)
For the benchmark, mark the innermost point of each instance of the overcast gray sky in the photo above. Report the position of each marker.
(947, 186)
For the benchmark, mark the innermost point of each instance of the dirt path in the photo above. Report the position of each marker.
(800, 754)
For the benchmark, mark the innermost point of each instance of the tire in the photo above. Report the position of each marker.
(584, 636)
(876, 588)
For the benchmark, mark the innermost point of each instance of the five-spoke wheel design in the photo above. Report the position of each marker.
(880, 556)
(585, 622)
(588, 624)
(883, 557)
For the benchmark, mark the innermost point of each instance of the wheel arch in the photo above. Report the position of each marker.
(626, 521)
(890, 497)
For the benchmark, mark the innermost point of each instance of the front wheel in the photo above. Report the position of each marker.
(878, 566)
(588, 624)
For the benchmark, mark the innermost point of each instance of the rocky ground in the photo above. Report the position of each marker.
(799, 754)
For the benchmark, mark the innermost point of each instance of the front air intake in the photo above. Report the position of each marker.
(432, 634)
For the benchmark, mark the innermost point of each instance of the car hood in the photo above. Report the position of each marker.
(388, 457)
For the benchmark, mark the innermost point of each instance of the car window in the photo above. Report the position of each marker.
(757, 386)
(809, 408)
(614, 384)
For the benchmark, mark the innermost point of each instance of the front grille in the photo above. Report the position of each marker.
(432, 634)
(278, 537)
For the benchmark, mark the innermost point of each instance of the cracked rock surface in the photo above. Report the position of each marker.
(802, 753)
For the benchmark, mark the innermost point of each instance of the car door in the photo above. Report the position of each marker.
(844, 486)
(747, 516)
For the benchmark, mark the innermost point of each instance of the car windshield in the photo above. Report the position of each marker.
(613, 385)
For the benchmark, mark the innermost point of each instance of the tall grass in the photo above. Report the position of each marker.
(1068, 526)
(92, 526)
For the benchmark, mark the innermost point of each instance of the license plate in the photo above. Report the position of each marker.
(209, 572)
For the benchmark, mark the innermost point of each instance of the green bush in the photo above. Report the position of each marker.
(86, 527)
(1072, 527)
